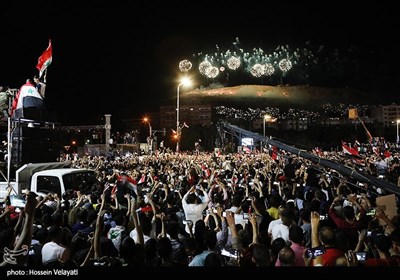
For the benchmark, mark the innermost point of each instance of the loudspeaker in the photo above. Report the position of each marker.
(33, 145)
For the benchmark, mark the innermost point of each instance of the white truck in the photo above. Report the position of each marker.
(54, 177)
(33, 148)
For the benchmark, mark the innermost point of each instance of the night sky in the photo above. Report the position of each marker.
(123, 58)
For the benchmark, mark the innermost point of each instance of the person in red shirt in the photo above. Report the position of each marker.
(323, 236)
(382, 245)
(348, 224)
(328, 239)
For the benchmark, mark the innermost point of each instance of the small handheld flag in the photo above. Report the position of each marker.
(45, 59)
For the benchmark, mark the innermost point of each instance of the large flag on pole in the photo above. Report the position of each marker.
(353, 114)
(45, 59)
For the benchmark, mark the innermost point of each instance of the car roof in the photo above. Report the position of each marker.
(62, 171)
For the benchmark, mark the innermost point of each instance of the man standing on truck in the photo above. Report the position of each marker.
(40, 86)
(27, 103)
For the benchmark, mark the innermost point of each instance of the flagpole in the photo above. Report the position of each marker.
(367, 131)
(45, 74)
(9, 146)
(9, 138)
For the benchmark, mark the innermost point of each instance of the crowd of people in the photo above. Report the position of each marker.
(202, 209)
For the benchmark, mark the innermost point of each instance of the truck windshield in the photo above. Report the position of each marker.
(49, 184)
(83, 181)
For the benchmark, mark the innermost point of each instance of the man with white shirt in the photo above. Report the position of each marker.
(54, 251)
(282, 230)
(192, 208)
(277, 221)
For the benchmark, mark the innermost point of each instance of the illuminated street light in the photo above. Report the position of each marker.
(150, 138)
(186, 82)
(147, 120)
(266, 117)
(398, 139)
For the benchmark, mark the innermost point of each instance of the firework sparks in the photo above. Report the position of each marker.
(212, 72)
(203, 67)
(269, 69)
(233, 62)
(273, 63)
(257, 70)
(285, 65)
(185, 65)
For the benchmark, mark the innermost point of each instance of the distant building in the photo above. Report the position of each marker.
(295, 124)
(332, 121)
(189, 114)
(386, 114)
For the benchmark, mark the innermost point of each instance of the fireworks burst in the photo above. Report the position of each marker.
(257, 70)
(269, 69)
(185, 65)
(285, 65)
(212, 72)
(273, 63)
(233, 62)
(256, 62)
(203, 67)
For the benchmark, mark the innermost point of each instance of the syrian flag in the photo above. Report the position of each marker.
(27, 97)
(246, 150)
(348, 150)
(358, 161)
(274, 153)
(142, 179)
(132, 184)
(45, 59)
(318, 151)
(206, 171)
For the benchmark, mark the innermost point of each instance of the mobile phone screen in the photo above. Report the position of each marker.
(17, 201)
(361, 256)
(316, 251)
(371, 212)
(228, 252)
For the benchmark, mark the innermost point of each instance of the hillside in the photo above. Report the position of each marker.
(286, 96)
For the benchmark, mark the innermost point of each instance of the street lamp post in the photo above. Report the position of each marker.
(184, 81)
(150, 138)
(397, 138)
(150, 129)
(264, 120)
(266, 117)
